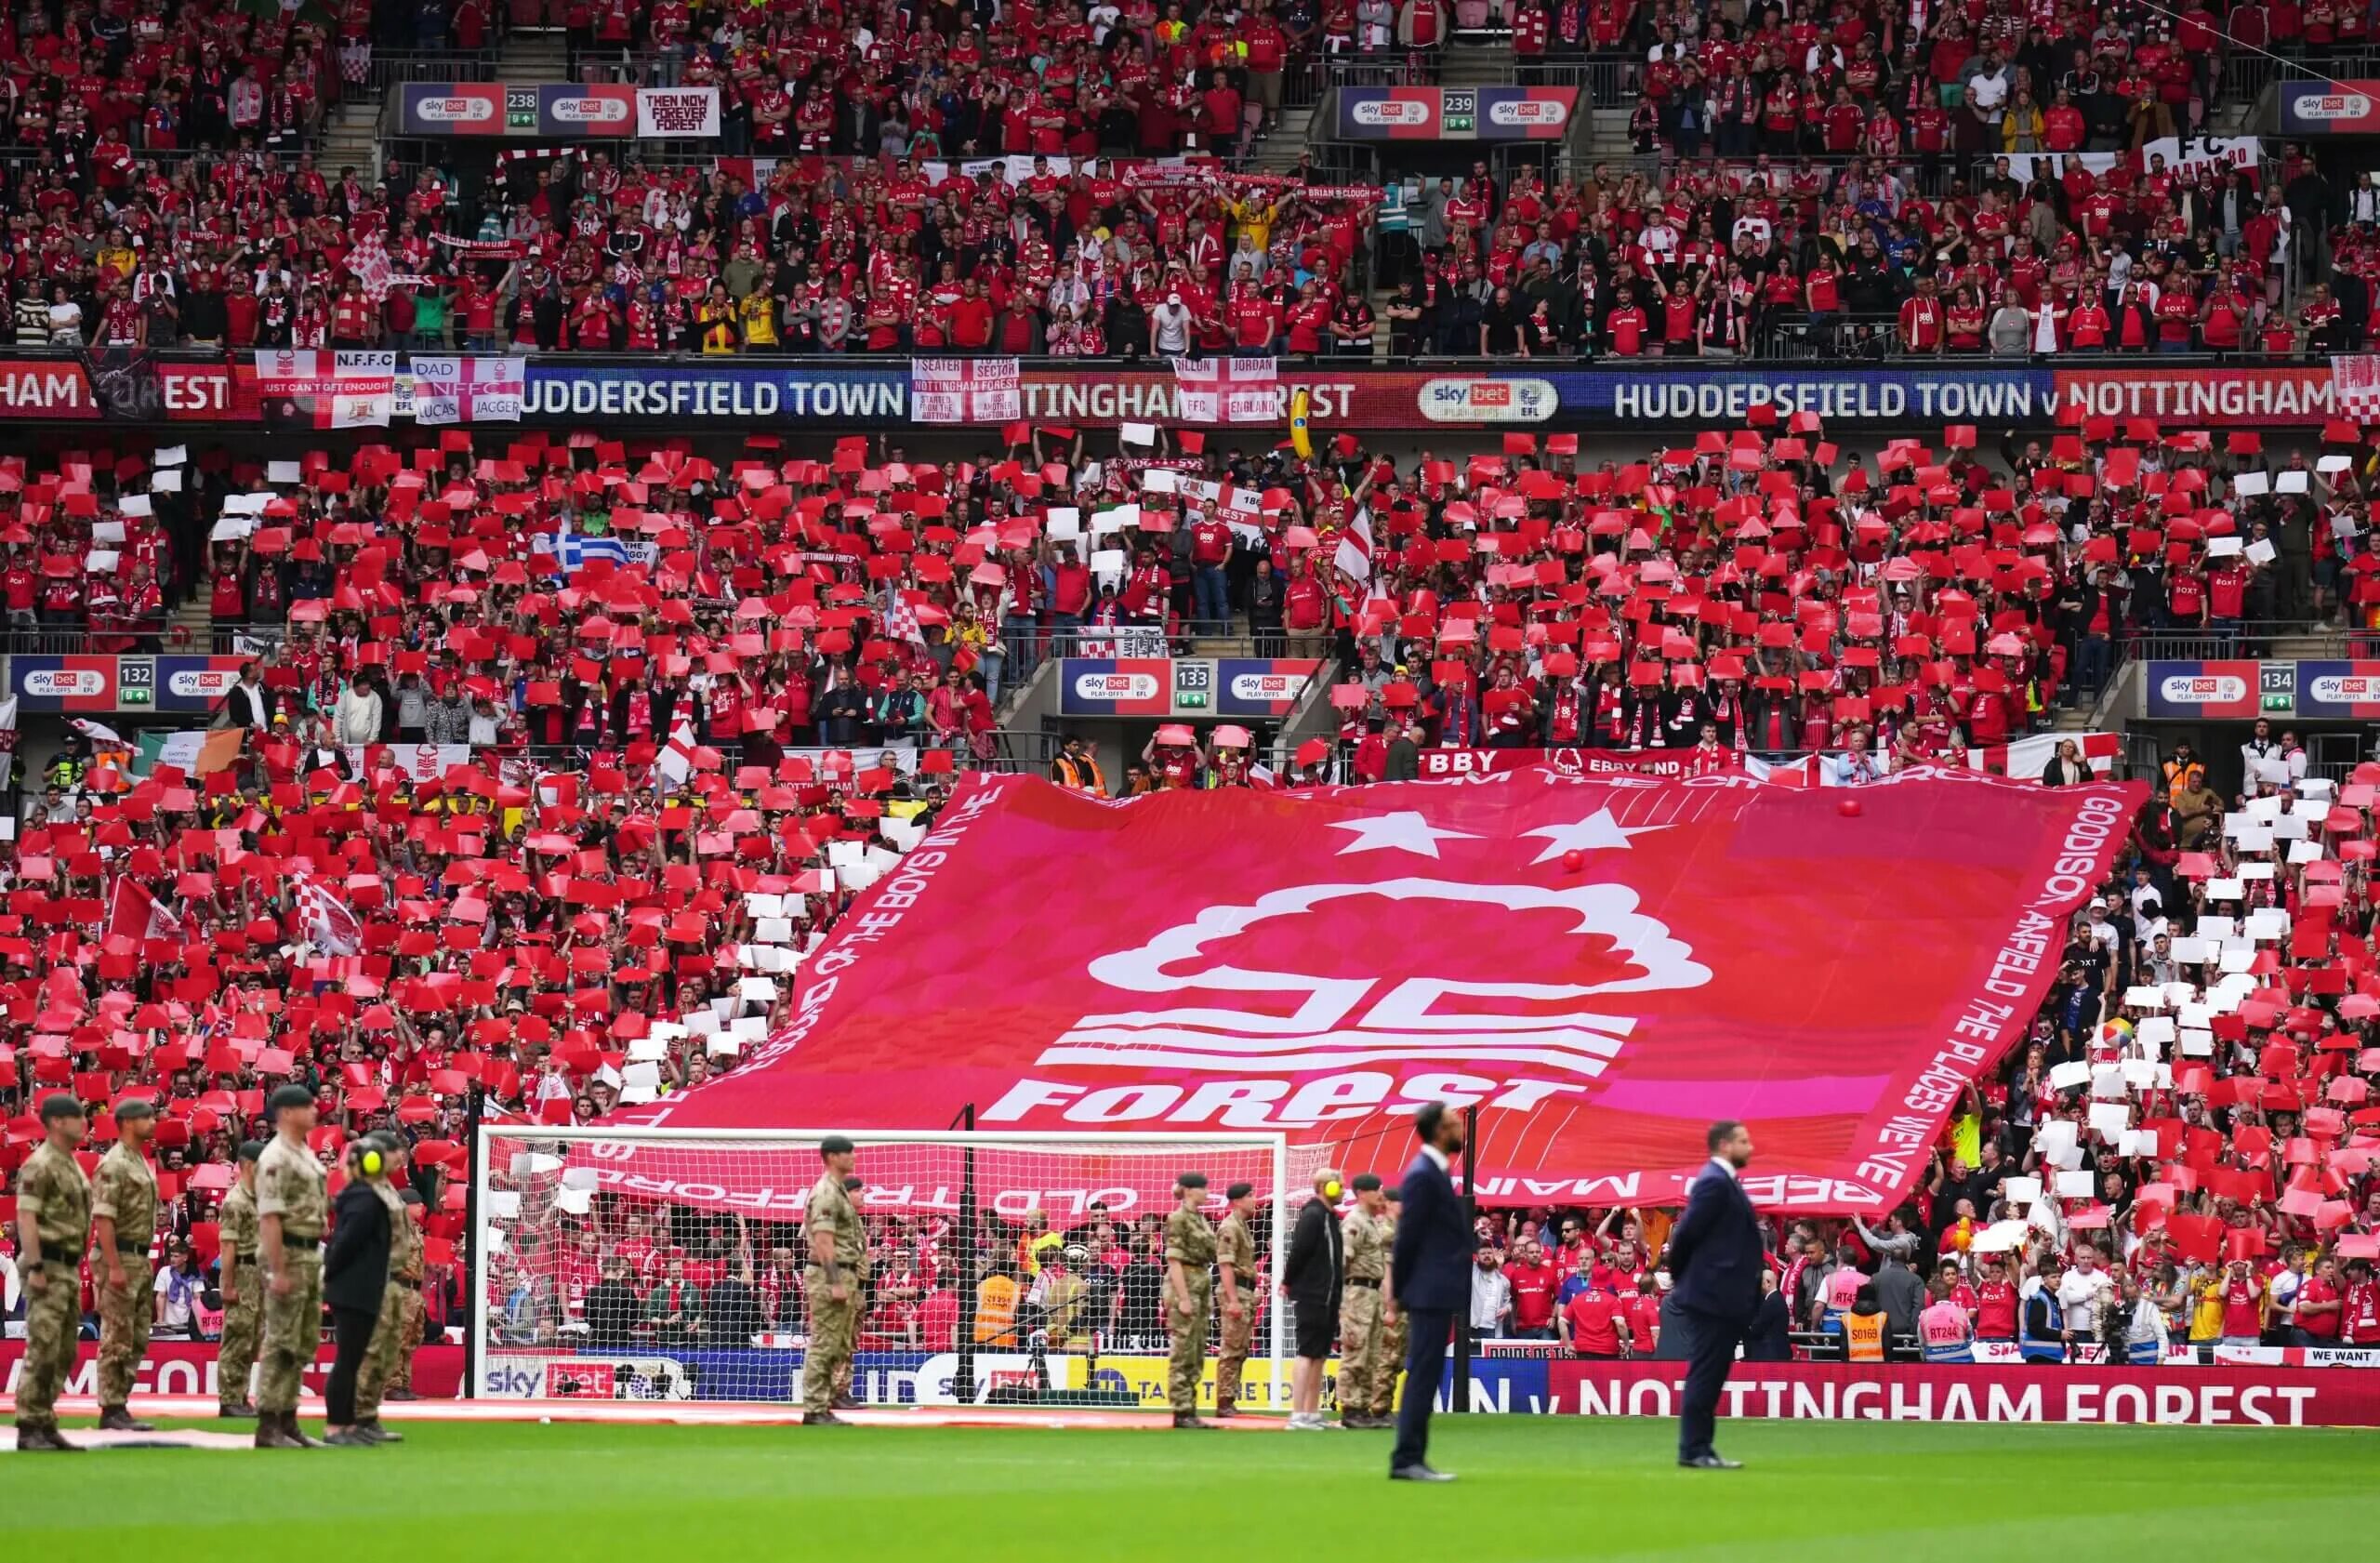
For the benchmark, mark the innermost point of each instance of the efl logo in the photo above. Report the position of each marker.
(1393, 111)
(453, 111)
(65, 683)
(2204, 689)
(2346, 689)
(2319, 106)
(590, 111)
(1116, 686)
(1547, 112)
(202, 684)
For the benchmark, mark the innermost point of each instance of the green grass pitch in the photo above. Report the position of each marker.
(1530, 1488)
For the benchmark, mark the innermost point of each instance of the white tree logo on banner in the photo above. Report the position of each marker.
(1342, 1021)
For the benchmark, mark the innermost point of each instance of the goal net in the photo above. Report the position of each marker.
(1002, 1269)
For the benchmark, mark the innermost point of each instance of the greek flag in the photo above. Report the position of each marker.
(572, 552)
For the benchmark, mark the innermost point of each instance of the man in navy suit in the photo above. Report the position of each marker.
(1431, 1266)
(1715, 1261)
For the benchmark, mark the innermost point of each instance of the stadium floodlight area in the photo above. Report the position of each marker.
(1004, 1268)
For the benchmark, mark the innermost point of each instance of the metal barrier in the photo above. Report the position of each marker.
(394, 67)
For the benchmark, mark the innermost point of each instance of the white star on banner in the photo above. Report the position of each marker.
(1598, 829)
(1405, 832)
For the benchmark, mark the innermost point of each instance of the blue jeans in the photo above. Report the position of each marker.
(2091, 666)
(1211, 592)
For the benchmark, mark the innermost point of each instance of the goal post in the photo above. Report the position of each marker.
(1004, 1268)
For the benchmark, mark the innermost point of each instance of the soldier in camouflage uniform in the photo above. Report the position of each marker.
(1241, 1300)
(1392, 1345)
(293, 1212)
(1362, 1331)
(1189, 1250)
(832, 1282)
(417, 1312)
(404, 1280)
(124, 1205)
(53, 1220)
(242, 1289)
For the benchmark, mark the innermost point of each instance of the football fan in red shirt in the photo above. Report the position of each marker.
(1595, 1325)
(1534, 1283)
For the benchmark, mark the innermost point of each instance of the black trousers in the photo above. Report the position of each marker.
(354, 1329)
(1710, 1353)
(1428, 1330)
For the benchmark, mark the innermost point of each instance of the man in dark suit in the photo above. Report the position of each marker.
(1715, 1261)
(1431, 1266)
(1312, 1276)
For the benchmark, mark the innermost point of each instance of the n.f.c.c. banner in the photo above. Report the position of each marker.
(1600, 966)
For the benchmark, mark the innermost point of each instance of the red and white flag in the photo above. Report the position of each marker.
(1228, 390)
(965, 390)
(343, 390)
(450, 390)
(677, 762)
(331, 924)
(135, 913)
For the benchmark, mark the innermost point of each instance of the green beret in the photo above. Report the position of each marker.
(288, 1097)
(835, 1145)
(1239, 1191)
(1191, 1179)
(251, 1150)
(1366, 1182)
(1392, 1191)
(58, 1106)
(138, 1107)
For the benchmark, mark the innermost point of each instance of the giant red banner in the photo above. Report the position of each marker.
(1602, 966)
(1913, 1392)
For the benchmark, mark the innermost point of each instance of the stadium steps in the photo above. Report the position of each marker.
(191, 628)
(531, 58)
(351, 140)
(1287, 140)
(2322, 645)
(1477, 65)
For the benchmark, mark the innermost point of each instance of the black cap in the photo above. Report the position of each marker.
(57, 1105)
(834, 1145)
(1239, 1191)
(288, 1096)
(1366, 1182)
(138, 1107)
(1191, 1179)
(251, 1150)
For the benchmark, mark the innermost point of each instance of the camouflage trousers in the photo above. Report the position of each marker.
(124, 1327)
(1392, 1362)
(417, 1320)
(1231, 1346)
(53, 1316)
(293, 1331)
(385, 1351)
(834, 1332)
(1189, 1343)
(243, 1317)
(1362, 1339)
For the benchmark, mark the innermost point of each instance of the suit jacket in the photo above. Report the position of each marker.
(1432, 1261)
(1315, 1263)
(1715, 1255)
(355, 1265)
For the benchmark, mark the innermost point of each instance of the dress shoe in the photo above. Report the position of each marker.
(1419, 1473)
(115, 1419)
(237, 1410)
(822, 1419)
(1711, 1462)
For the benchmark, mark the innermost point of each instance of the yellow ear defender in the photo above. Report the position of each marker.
(1332, 1189)
(371, 1163)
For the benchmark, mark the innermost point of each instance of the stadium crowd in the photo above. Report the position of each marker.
(657, 693)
